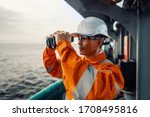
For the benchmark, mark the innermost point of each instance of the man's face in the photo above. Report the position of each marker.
(89, 47)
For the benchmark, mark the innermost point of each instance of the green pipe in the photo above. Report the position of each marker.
(54, 91)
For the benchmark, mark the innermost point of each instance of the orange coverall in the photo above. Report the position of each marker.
(89, 79)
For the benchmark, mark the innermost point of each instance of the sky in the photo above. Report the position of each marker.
(30, 21)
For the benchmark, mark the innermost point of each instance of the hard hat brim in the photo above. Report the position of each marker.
(75, 34)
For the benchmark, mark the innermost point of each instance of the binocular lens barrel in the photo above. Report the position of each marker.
(51, 42)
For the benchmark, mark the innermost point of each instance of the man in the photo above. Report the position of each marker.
(92, 76)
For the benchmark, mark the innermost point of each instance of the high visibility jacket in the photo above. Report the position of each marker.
(92, 79)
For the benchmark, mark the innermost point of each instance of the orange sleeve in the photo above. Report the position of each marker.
(72, 64)
(52, 64)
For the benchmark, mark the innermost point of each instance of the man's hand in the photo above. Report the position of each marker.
(62, 35)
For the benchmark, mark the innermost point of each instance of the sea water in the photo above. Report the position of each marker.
(22, 73)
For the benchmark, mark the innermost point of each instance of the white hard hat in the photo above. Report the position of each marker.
(91, 26)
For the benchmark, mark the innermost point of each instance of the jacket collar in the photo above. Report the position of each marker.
(97, 59)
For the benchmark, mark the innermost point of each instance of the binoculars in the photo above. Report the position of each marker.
(51, 42)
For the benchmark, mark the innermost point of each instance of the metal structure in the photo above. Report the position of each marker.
(133, 17)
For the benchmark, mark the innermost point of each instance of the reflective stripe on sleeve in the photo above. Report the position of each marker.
(50, 68)
(105, 61)
(117, 90)
(85, 83)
